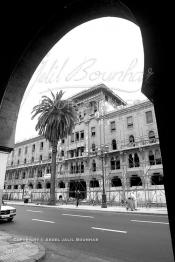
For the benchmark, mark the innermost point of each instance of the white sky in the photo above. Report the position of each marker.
(106, 50)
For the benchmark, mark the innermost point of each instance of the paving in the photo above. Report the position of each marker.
(12, 249)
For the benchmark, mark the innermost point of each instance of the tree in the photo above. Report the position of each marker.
(56, 121)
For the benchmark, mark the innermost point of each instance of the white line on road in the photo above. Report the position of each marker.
(46, 221)
(153, 222)
(76, 215)
(112, 230)
(34, 211)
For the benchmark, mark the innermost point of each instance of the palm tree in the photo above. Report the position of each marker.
(56, 121)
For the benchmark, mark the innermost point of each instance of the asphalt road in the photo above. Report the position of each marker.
(110, 236)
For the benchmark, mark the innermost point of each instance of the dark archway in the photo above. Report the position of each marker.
(77, 185)
(31, 45)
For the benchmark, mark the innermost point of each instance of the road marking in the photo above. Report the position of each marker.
(111, 230)
(146, 221)
(34, 211)
(46, 221)
(76, 215)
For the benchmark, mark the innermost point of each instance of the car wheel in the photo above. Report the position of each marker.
(10, 219)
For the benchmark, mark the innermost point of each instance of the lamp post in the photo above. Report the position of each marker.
(102, 152)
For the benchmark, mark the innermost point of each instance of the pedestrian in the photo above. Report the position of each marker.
(134, 200)
(77, 198)
(129, 203)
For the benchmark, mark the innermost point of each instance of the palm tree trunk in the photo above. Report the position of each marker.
(53, 174)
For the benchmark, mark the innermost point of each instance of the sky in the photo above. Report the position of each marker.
(106, 50)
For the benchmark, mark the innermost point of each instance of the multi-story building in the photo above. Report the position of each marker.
(113, 146)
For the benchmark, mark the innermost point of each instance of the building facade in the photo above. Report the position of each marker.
(113, 146)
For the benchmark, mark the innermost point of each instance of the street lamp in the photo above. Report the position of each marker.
(102, 151)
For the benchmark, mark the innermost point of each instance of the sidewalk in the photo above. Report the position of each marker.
(12, 249)
(117, 209)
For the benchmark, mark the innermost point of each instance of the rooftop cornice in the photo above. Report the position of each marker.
(95, 89)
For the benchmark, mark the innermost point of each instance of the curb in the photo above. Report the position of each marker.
(101, 210)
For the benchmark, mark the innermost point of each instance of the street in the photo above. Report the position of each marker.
(105, 235)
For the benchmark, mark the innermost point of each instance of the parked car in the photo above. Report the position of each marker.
(7, 212)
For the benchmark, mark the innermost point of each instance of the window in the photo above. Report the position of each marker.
(136, 160)
(62, 141)
(151, 158)
(41, 145)
(19, 151)
(39, 185)
(18, 162)
(25, 160)
(62, 152)
(151, 136)
(93, 165)
(115, 163)
(158, 158)
(12, 163)
(9, 187)
(71, 153)
(157, 179)
(72, 137)
(33, 148)
(48, 185)
(149, 117)
(114, 144)
(131, 161)
(23, 175)
(15, 186)
(39, 173)
(40, 158)
(82, 167)
(32, 159)
(129, 121)
(16, 175)
(82, 135)
(116, 182)
(92, 131)
(135, 180)
(94, 183)
(112, 126)
(93, 147)
(131, 140)
(31, 173)
(77, 136)
(61, 184)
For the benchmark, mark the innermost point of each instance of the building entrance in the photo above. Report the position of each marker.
(77, 185)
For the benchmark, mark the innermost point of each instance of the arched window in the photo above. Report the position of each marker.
(39, 185)
(136, 160)
(93, 165)
(131, 161)
(31, 185)
(151, 136)
(158, 158)
(94, 183)
(157, 179)
(112, 163)
(135, 180)
(151, 158)
(61, 184)
(131, 140)
(114, 144)
(116, 182)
